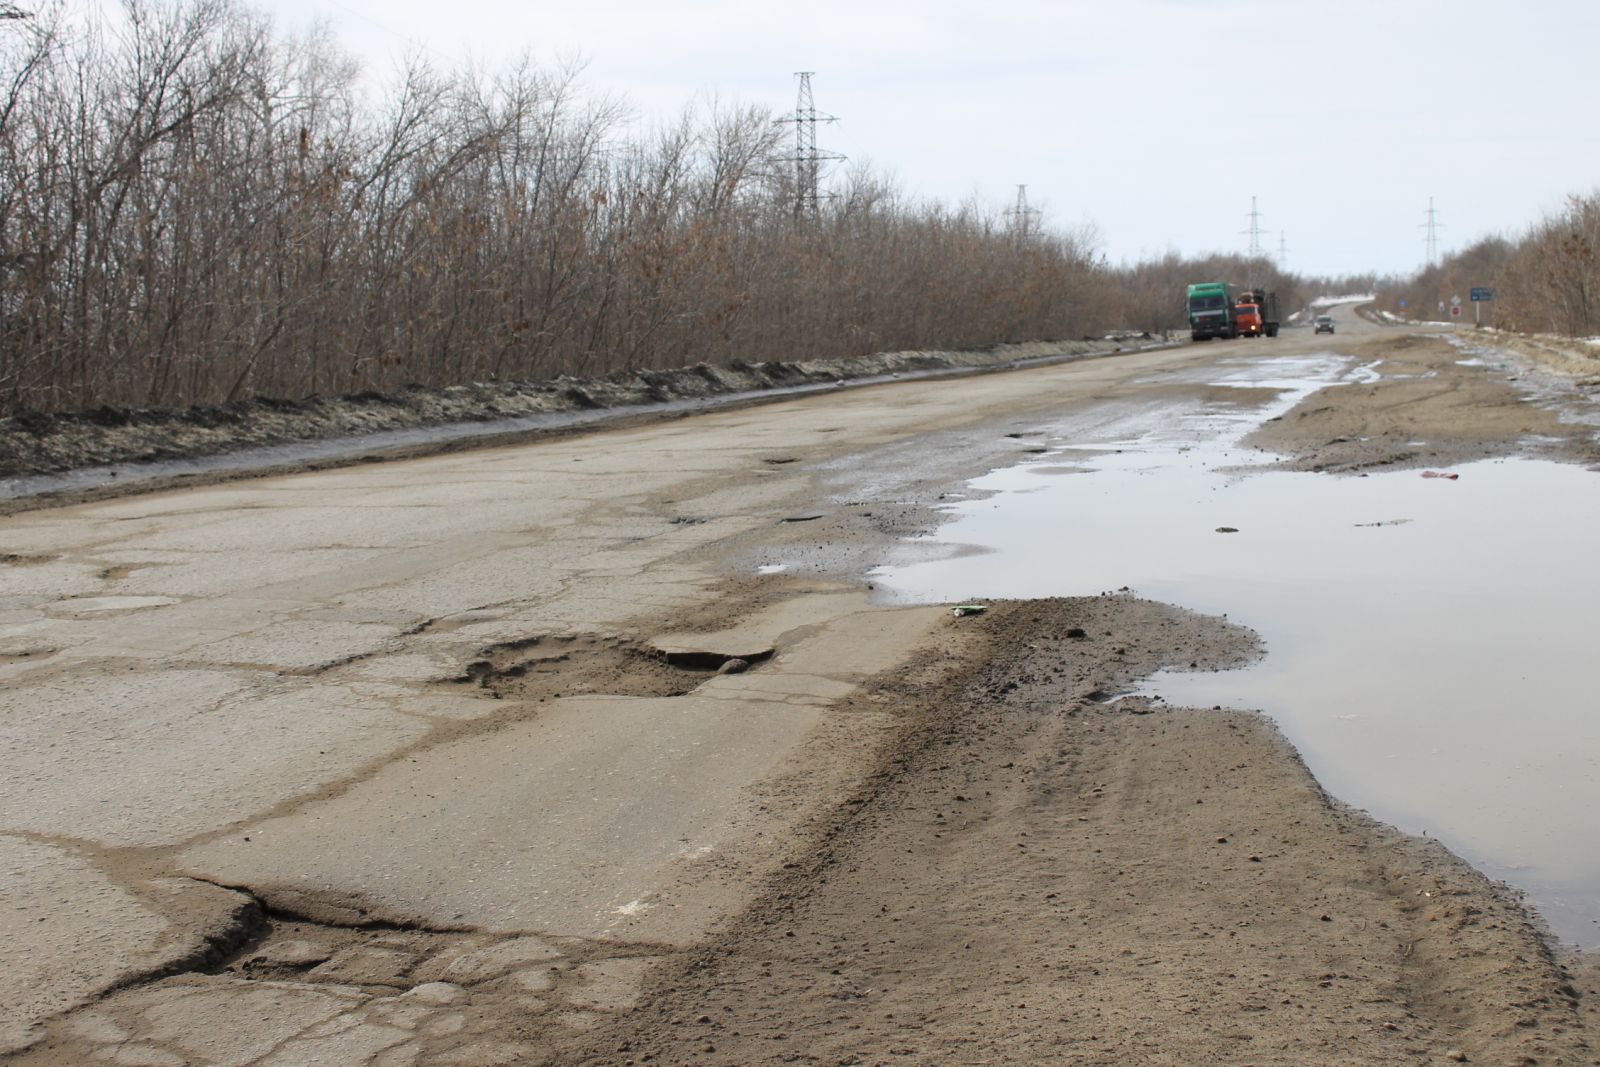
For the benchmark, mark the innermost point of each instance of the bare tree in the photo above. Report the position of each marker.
(193, 211)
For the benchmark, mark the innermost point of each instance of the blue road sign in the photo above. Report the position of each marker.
(1479, 293)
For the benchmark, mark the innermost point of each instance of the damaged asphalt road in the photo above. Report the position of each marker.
(431, 761)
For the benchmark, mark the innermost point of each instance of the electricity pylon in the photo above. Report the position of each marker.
(807, 158)
(1024, 219)
(1433, 226)
(1255, 231)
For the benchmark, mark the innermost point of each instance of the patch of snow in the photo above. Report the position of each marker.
(1365, 374)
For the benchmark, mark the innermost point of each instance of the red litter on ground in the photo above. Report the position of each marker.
(1440, 474)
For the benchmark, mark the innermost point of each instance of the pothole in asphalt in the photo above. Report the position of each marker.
(316, 991)
(25, 654)
(715, 662)
(448, 989)
(547, 667)
(380, 959)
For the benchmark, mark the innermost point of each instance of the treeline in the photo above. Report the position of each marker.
(194, 209)
(1546, 281)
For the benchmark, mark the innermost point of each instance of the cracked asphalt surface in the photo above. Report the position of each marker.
(431, 761)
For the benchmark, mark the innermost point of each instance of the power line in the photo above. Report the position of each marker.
(807, 158)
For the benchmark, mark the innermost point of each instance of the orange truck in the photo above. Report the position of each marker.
(1256, 313)
(1247, 320)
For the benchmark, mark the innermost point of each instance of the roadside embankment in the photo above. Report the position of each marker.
(40, 443)
(1576, 357)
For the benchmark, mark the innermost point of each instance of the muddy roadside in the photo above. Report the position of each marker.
(1035, 873)
(1574, 357)
(1435, 400)
(1038, 873)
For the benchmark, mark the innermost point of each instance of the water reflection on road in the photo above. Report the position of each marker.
(1429, 640)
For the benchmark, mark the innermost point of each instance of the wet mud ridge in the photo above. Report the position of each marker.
(1036, 874)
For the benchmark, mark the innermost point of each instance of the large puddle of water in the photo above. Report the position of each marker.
(1429, 640)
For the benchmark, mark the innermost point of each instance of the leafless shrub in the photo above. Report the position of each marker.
(194, 211)
(1547, 281)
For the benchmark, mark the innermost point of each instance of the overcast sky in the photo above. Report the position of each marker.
(1154, 121)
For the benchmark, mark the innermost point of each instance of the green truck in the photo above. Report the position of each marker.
(1216, 310)
(1211, 311)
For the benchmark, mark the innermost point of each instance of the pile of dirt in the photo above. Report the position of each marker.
(1039, 872)
(42, 443)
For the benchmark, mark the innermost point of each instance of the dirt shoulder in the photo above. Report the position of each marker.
(1034, 874)
(1424, 409)
(1570, 356)
(1574, 357)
